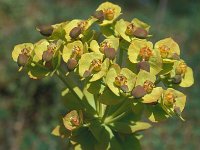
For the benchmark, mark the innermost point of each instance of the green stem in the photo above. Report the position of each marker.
(117, 117)
(106, 112)
(121, 55)
(157, 80)
(119, 111)
(100, 110)
(70, 84)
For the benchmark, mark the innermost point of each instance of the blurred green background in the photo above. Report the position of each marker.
(29, 109)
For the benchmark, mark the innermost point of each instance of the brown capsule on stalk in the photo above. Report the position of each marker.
(75, 32)
(86, 74)
(45, 30)
(110, 53)
(99, 15)
(49, 65)
(138, 92)
(177, 79)
(177, 110)
(22, 60)
(175, 56)
(140, 33)
(124, 88)
(144, 65)
(71, 64)
(47, 55)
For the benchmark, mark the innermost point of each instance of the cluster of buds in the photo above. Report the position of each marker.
(145, 53)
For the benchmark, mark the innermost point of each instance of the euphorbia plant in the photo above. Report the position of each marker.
(116, 81)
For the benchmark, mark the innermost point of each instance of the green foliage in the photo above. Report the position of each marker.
(95, 61)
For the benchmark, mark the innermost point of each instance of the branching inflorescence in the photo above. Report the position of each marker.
(117, 81)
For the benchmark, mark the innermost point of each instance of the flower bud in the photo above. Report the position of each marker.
(75, 32)
(140, 33)
(169, 99)
(164, 51)
(130, 29)
(22, 60)
(47, 55)
(72, 120)
(181, 68)
(71, 64)
(138, 92)
(120, 80)
(177, 79)
(110, 53)
(96, 65)
(148, 86)
(144, 65)
(45, 30)
(109, 13)
(103, 46)
(99, 15)
(145, 53)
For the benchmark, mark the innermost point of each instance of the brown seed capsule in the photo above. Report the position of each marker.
(140, 33)
(144, 65)
(138, 92)
(86, 74)
(71, 64)
(99, 15)
(22, 60)
(75, 32)
(124, 88)
(110, 53)
(47, 55)
(177, 79)
(45, 30)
